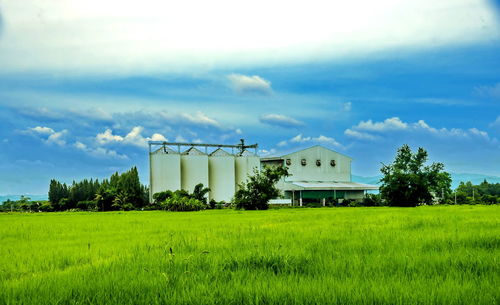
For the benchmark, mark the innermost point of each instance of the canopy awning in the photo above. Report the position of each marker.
(308, 185)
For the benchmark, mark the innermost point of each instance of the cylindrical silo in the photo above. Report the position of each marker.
(165, 170)
(245, 163)
(194, 169)
(221, 166)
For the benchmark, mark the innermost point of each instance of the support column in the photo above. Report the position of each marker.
(300, 199)
(324, 202)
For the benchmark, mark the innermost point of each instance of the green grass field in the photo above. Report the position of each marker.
(425, 255)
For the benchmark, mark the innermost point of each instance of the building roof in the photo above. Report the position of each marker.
(164, 150)
(281, 155)
(219, 152)
(319, 185)
(193, 151)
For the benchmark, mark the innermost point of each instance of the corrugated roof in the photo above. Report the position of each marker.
(282, 154)
(319, 185)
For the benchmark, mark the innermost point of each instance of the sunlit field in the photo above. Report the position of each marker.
(424, 255)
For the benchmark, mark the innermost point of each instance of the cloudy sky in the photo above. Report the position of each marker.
(85, 84)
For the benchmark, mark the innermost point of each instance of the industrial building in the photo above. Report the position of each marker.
(316, 173)
(172, 168)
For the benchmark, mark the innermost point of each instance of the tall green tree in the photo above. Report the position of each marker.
(409, 182)
(260, 188)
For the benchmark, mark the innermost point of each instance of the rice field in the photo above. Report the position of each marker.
(424, 255)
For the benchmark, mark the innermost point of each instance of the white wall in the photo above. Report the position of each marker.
(325, 172)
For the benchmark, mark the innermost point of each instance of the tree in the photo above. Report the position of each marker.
(259, 189)
(408, 182)
(199, 192)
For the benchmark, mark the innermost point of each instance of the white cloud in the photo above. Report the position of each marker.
(134, 137)
(57, 138)
(300, 139)
(496, 122)
(250, 84)
(369, 130)
(389, 124)
(281, 120)
(489, 91)
(180, 138)
(265, 152)
(108, 137)
(43, 130)
(327, 140)
(359, 135)
(347, 106)
(198, 119)
(158, 137)
(99, 152)
(155, 35)
(282, 143)
(53, 137)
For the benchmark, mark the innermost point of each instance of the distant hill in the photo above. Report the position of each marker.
(456, 179)
(17, 197)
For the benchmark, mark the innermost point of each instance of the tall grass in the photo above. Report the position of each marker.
(425, 255)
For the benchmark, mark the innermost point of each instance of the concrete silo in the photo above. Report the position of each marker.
(165, 170)
(221, 166)
(245, 163)
(194, 169)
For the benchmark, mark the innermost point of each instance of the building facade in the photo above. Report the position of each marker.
(317, 174)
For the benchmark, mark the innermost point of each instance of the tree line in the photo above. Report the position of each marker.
(120, 192)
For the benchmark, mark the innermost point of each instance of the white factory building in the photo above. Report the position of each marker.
(316, 173)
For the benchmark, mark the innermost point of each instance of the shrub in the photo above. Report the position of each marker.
(87, 205)
(260, 188)
(161, 196)
(214, 204)
(372, 200)
(46, 207)
(313, 205)
(178, 202)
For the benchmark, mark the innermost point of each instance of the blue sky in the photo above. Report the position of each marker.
(85, 85)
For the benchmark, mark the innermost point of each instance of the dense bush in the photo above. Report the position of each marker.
(214, 204)
(372, 200)
(87, 205)
(161, 196)
(178, 202)
(259, 189)
(45, 207)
